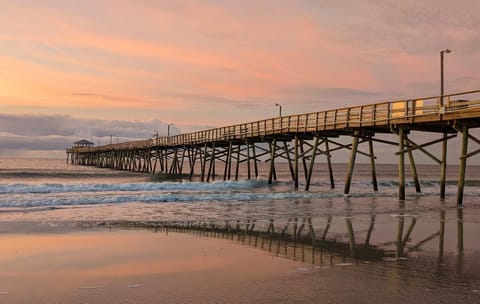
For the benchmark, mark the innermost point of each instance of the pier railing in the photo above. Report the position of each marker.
(378, 115)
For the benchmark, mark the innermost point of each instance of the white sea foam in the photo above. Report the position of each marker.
(100, 198)
(148, 186)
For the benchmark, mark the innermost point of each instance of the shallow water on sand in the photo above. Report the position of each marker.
(88, 232)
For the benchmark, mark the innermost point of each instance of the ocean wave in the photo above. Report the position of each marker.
(131, 187)
(32, 200)
(17, 188)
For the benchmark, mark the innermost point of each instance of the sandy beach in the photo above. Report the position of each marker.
(214, 262)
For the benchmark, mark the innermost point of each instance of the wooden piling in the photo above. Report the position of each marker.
(463, 165)
(304, 161)
(351, 162)
(329, 164)
(229, 161)
(212, 162)
(289, 160)
(401, 164)
(372, 165)
(273, 145)
(443, 166)
(228, 158)
(413, 167)
(237, 163)
(255, 165)
(296, 163)
(248, 160)
(312, 163)
(203, 162)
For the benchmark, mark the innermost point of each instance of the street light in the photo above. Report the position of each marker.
(441, 74)
(168, 129)
(156, 136)
(279, 108)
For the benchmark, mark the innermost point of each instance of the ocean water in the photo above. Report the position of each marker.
(50, 189)
(419, 250)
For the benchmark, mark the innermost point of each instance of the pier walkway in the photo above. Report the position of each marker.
(299, 139)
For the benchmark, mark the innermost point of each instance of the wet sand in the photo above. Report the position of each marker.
(125, 262)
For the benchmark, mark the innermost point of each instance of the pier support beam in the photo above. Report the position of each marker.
(212, 164)
(287, 153)
(237, 162)
(413, 167)
(255, 166)
(312, 163)
(228, 159)
(372, 165)
(351, 163)
(463, 165)
(273, 146)
(249, 174)
(401, 164)
(329, 164)
(443, 169)
(296, 163)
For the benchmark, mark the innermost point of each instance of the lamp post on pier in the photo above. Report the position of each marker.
(279, 109)
(447, 51)
(168, 132)
(156, 136)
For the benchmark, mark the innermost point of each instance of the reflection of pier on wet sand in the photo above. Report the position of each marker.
(315, 241)
(299, 139)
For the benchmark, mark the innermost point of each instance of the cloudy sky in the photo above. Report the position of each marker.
(88, 69)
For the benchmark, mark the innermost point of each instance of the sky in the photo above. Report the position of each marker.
(92, 69)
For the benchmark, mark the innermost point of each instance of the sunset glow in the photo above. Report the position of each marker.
(207, 63)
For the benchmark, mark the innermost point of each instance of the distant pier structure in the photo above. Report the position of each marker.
(303, 139)
(83, 143)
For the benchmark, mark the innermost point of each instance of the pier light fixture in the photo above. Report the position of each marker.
(155, 135)
(445, 51)
(279, 109)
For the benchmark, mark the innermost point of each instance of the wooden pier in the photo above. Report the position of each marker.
(301, 140)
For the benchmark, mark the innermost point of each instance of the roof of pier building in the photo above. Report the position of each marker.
(83, 143)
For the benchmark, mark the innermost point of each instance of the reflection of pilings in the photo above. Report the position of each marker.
(297, 243)
(441, 240)
(401, 221)
(327, 227)
(460, 230)
(351, 235)
(409, 232)
(370, 230)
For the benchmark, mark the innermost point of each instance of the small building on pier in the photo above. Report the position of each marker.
(83, 143)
